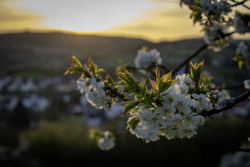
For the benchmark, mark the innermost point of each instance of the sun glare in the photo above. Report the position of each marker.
(154, 20)
(86, 15)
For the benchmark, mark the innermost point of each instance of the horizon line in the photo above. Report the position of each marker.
(103, 34)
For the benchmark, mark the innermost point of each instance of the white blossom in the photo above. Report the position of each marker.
(216, 33)
(184, 78)
(95, 94)
(247, 84)
(242, 49)
(97, 98)
(145, 133)
(239, 25)
(184, 104)
(223, 95)
(215, 7)
(145, 59)
(169, 96)
(202, 102)
(181, 88)
(106, 142)
(177, 117)
(82, 85)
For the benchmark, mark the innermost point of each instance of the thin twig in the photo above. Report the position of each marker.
(238, 3)
(199, 51)
(190, 57)
(227, 104)
(231, 86)
(246, 6)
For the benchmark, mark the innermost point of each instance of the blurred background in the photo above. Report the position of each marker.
(45, 121)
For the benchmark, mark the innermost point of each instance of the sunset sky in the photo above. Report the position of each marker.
(154, 20)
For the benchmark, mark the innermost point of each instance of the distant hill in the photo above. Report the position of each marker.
(50, 52)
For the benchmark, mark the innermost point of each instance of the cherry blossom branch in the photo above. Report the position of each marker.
(202, 48)
(121, 96)
(239, 149)
(227, 104)
(240, 3)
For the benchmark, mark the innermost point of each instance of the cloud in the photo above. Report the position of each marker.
(14, 18)
(165, 23)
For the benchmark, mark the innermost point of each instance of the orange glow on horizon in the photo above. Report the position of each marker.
(148, 19)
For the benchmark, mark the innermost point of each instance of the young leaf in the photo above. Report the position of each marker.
(126, 71)
(90, 62)
(110, 80)
(154, 85)
(129, 83)
(196, 73)
(157, 73)
(76, 61)
(133, 123)
(130, 106)
(166, 77)
(100, 70)
(94, 134)
(73, 70)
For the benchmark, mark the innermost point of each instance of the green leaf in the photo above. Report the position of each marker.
(131, 95)
(76, 61)
(196, 73)
(149, 103)
(196, 15)
(143, 86)
(94, 134)
(90, 62)
(110, 81)
(157, 73)
(165, 85)
(100, 70)
(166, 77)
(73, 70)
(133, 123)
(240, 64)
(194, 8)
(129, 83)
(130, 106)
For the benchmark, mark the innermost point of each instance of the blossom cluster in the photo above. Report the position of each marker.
(177, 117)
(95, 93)
(247, 84)
(242, 55)
(241, 23)
(216, 19)
(106, 142)
(217, 31)
(145, 59)
(215, 7)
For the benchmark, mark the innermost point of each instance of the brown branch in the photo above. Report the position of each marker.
(227, 104)
(186, 61)
(238, 149)
(115, 92)
(238, 3)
